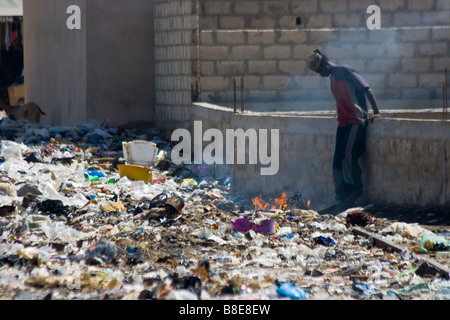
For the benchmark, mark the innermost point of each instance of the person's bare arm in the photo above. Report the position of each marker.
(371, 97)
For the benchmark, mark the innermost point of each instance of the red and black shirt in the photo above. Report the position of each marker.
(348, 89)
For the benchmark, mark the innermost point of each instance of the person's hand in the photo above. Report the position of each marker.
(375, 116)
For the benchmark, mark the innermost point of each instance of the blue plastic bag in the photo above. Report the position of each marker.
(95, 173)
(287, 289)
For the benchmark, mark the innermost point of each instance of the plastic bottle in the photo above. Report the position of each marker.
(287, 289)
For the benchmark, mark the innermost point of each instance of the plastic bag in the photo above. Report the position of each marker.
(287, 289)
(11, 149)
(264, 227)
(431, 243)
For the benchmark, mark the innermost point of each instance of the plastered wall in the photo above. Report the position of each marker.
(406, 162)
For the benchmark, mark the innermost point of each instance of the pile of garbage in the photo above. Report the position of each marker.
(73, 226)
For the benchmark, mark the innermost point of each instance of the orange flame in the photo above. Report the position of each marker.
(281, 201)
(259, 203)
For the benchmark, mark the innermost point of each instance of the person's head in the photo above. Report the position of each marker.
(319, 63)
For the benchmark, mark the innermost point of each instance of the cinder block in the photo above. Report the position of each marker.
(359, 7)
(408, 18)
(369, 51)
(354, 36)
(414, 35)
(420, 5)
(215, 83)
(440, 34)
(419, 93)
(308, 81)
(383, 36)
(333, 6)
(230, 67)
(399, 50)
(319, 21)
(433, 80)
(415, 65)
(260, 37)
(389, 65)
(319, 93)
(292, 36)
(216, 7)
(275, 82)
(262, 67)
(206, 37)
(261, 22)
(305, 7)
(320, 37)
(276, 7)
(402, 80)
(230, 22)
(214, 52)
(293, 94)
(230, 37)
(248, 52)
(442, 5)
(303, 51)
(439, 64)
(246, 7)
(292, 66)
(375, 80)
(286, 22)
(277, 52)
(338, 51)
(206, 67)
(436, 18)
(261, 96)
(349, 20)
(209, 23)
(392, 5)
(251, 82)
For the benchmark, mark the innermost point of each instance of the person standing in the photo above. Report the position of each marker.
(351, 93)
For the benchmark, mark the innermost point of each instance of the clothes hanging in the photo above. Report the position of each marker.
(1, 37)
(11, 34)
(7, 37)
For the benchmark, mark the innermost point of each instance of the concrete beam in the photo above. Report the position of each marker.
(386, 244)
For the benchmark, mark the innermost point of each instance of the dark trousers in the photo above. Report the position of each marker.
(350, 146)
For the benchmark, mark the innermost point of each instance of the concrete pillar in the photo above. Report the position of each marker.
(55, 61)
(103, 71)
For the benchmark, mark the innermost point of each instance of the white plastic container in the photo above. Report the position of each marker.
(140, 152)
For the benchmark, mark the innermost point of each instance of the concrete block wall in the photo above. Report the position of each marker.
(287, 14)
(268, 43)
(406, 162)
(202, 47)
(175, 25)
